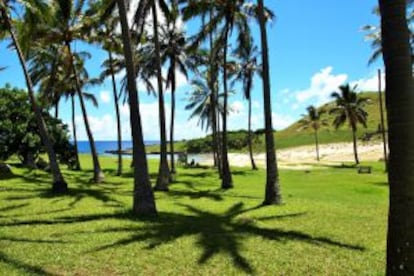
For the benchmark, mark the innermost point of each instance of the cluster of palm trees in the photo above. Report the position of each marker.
(349, 108)
(43, 35)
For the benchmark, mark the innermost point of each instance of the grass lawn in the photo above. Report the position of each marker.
(333, 222)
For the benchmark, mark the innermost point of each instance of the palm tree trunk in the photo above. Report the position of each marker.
(75, 138)
(163, 178)
(317, 145)
(117, 113)
(57, 109)
(272, 194)
(250, 138)
(354, 139)
(172, 120)
(213, 98)
(143, 199)
(226, 181)
(400, 111)
(98, 175)
(384, 137)
(59, 183)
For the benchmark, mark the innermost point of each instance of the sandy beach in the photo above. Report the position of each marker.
(304, 157)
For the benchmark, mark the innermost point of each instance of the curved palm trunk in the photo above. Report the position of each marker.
(163, 178)
(250, 138)
(75, 138)
(400, 111)
(272, 194)
(98, 175)
(143, 199)
(317, 145)
(172, 152)
(117, 113)
(59, 183)
(354, 139)
(226, 181)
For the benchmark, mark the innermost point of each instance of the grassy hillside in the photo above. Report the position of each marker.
(291, 136)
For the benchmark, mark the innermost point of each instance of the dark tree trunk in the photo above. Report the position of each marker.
(317, 145)
(163, 178)
(226, 180)
(250, 138)
(98, 175)
(354, 140)
(143, 200)
(75, 138)
(117, 113)
(29, 160)
(400, 111)
(59, 184)
(272, 194)
(57, 109)
(172, 152)
(384, 137)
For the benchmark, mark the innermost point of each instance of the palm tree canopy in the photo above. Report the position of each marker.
(349, 107)
(313, 118)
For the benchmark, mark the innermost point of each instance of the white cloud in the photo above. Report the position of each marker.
(237, 107)
(369, 84)
(105, 97)
(281, 121)
(322, 85)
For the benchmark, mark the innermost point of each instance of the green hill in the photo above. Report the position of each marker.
(293, 135)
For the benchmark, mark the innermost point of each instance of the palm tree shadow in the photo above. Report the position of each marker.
(31, 269)
(215, 233)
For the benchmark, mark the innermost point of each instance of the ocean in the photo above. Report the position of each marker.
(102, 146)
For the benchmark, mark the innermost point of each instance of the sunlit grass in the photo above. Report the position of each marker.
(332, 222)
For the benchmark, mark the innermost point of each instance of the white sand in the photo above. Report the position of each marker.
(305, 156)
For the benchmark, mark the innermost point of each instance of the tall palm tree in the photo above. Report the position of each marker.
(272, 191)
(313, 120)
(247, 68)
(65, 26)
(234, 16)
(400, 109)
(349, 108)
(143, 200)
(59, 184)
(163, 178)
(173, 49)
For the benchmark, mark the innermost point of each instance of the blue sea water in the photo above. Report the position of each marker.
(102, 146)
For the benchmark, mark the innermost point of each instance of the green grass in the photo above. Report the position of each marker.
(332, 222)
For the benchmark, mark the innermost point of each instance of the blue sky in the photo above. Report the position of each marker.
(315, 46)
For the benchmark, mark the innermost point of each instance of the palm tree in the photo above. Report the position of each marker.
(313, 120)
(246, 70)
(163, 178)
(272, 191)
(201, 105)
(349, 108)
(65, 26)
(400, 107)
(144, 202)
(173, 49)
(374, 35)
(59, 183)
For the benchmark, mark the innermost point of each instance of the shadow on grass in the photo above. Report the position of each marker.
(197, 194)
(31, 269)
(216, 233)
